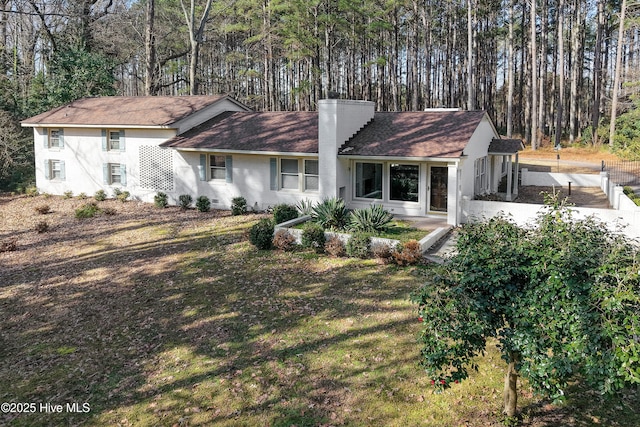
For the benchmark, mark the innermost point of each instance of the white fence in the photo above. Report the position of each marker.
(624, 212)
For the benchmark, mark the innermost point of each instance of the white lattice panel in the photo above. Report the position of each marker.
(156, 168)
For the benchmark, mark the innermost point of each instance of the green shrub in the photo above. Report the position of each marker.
(313, 237)
(359, 246)
(203, 204)
(67, 195)
(100, 196)
(81, 196)
(161, 200)
(284, 212)
(284, 240)
(335, 247)
(238, 206)
(261, 234)
(87, 211)
(627, 190)
(374, 219)
(31, 191)
(184, 201)
(305, 207)
(123, 196)
(331, 214)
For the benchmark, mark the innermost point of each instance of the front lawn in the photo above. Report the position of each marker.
(164, 317)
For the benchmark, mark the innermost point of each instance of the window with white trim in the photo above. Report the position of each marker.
(289, 175)
(369, 180)
(114, 173)
(218, 167)
(404, 182)
(114, 140)
(54, 170)
(311, 175)
(480, 167)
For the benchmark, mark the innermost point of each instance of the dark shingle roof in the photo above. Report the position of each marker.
(505, 146)
(415, 134)
(277, 132)
(125, 110)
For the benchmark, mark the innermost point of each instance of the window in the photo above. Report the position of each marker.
(289, 174)
(218, 167)
(404, 182)
(369, 180)
(112, 140)
(480, 175)
(54, 138)
(114, 173)
(311, 178)
(54, 170)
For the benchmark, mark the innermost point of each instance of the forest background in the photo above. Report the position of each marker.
(549, 71)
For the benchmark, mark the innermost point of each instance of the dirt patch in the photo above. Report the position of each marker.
(592, 197)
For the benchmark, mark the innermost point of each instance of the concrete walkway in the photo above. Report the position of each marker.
(425, 222)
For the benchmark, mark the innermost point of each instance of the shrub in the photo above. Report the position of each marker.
(382, 251)
(313, 237)
(284, 212)
(261, 234)
(81, 196)
(407, 253)
(43, 209)
(305, 207)
(100, 196)
(8, 245)
(284, 240)
(373, 219)
(331, 214)
(359, 246)
(335, 247)
(238, 206)
(67, 195)
(31, 191)
(87, 211)
(627, 190)
(42, 227)
(185, 200)
(161, 200)
(109, 211)
(122, 195)
(203, 204)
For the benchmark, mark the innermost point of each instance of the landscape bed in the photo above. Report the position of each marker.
(165, 316)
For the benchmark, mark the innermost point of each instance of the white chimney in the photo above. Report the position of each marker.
(338, 121)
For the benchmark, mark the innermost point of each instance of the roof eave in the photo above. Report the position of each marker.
(247, 152)
(402, 158)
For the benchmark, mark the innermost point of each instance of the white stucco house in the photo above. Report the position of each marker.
(413, 163)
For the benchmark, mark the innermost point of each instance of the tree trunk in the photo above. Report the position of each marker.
(510, 77)
(560, 63)
(511, 388)
(151, 87)
(597, 74)
(534, 78)
(618, 71)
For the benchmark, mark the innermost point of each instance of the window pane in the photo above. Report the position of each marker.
(218, 173)
(311, 167)
(289, 166)
(114, 140)
(404, 182)
(311, 182)
(56, 169)
(54, 138)
(290, 181)
(217, 161)
(369, 180)
(115, 174)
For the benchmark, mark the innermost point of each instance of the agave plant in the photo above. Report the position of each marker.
(373, 219)
(331, 214)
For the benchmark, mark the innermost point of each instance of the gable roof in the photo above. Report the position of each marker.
(415, 134)
(275, 132)
(125, 111)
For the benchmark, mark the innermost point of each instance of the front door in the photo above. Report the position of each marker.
(438, 180)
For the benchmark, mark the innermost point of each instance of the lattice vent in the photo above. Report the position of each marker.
(156, 168)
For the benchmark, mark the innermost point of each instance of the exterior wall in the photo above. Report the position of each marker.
(549, 179)
(84, 158)
(524, 214)
(251, 179)
(338, 120)
(477, 147)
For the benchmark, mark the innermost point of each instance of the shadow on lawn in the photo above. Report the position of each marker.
(195, 326)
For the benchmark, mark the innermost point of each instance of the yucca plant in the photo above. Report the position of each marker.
(305, 207)
(331, 214)
(374, 219)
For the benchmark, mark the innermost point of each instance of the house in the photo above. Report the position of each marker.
(414, 163)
